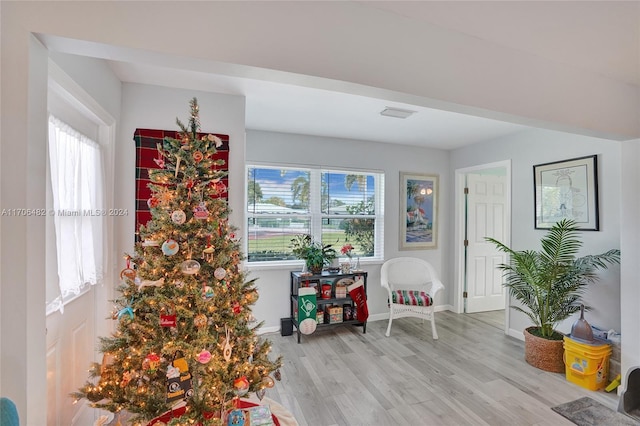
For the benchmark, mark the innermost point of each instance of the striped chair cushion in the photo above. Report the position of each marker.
(411, 297)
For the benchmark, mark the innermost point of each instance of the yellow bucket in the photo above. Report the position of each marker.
(587, 365)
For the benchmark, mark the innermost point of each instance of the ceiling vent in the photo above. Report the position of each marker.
(397, 112)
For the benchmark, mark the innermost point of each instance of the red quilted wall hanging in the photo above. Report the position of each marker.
(147, 141)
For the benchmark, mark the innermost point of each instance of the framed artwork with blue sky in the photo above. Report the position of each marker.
(418, 211)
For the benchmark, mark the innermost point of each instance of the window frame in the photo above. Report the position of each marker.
(75, 103)
(315, 214)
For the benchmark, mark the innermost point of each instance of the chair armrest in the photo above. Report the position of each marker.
(436, 287)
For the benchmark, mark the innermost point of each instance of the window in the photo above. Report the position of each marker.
(334, 206)
(78, 213)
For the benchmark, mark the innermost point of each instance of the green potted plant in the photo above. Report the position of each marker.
(315, 254)
(549, 285)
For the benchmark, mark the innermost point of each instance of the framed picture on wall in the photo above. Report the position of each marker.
(418, 211)
(567, 189)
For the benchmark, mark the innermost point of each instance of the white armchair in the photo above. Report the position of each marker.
(412, 285)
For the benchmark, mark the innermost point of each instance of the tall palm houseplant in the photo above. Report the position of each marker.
(549, 285)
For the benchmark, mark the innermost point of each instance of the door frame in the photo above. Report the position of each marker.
(459, 228)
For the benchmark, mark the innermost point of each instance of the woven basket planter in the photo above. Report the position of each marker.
(545, 354)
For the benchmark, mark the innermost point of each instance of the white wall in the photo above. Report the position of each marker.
(629, 223)
(23, 160)
(388, 158)
(154, 107)
(542, 146)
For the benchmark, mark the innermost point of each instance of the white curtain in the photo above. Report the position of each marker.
(78, 210)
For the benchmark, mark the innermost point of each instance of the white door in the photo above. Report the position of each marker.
(486, 217)
(71, 342)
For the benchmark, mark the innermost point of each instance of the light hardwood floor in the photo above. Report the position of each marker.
(473, 375)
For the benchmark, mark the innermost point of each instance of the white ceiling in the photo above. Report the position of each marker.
(602, 38)
(296, 109)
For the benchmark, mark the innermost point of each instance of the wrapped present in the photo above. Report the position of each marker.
(260, 416)
(333, 314)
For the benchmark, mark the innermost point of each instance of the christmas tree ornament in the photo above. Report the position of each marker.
(179, 284)
(180, 362)
(207, 292)
(241, 386)
(172, 372)
(151, 363)
(180, 387)
(236, 418)
(260, 393)
(177, 165)
(204, 356)
(148, 283)
(178, 217)
(153, 202)
(127, 311)
(226, 345)
(200, 212)
(200, 321)
(220, 188)
(220, 273)
(216, 140)
(189, 184)
(128, 272)
(165, 197)
(190, 267)
(150, 243)
(208, 253)
(197, 156)
(170, 247)
(251, 297)
(237, 308)
(168, 317)
(268, 382)
(126, 378)
(160, 160)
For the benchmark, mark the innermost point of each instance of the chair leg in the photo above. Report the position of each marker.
(433, 326)
(388, 333)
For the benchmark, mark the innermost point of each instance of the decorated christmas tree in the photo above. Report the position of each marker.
(186, 342)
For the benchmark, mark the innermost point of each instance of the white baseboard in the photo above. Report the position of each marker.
(272, 329)
(441, 308)
(516, 334)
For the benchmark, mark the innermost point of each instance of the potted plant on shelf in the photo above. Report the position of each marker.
(549, 285)
(315, 254)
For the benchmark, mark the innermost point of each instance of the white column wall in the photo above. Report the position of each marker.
(630, 236)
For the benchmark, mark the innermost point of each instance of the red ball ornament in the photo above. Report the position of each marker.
(241, 385)
(153, 202)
